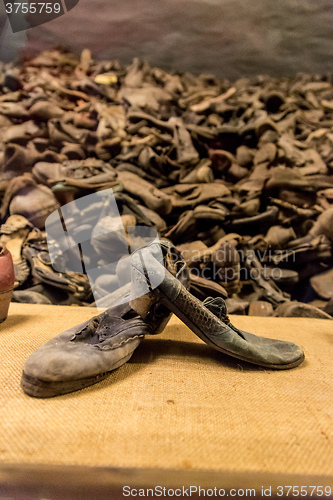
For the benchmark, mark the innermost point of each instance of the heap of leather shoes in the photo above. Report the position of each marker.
(203, 157)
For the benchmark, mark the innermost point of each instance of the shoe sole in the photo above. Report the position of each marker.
(37, 388)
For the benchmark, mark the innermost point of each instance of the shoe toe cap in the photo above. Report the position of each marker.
(69, 361)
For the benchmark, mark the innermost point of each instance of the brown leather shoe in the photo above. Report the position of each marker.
(34, 201)
(87, 174)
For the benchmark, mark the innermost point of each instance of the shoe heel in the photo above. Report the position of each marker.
(5, 298)
(170, 292)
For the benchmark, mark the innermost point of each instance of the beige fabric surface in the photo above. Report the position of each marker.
(176, 404)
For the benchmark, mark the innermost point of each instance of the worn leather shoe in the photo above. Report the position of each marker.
(87, 353)
(208, 319)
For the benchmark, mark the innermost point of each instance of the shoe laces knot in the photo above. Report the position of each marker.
(218, 307)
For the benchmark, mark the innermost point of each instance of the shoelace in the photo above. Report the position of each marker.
(218, 307)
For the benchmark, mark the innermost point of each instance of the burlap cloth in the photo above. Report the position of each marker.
(177, 403)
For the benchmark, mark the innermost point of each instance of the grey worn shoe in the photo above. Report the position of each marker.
(208, 319)
(87, 353)
(84, 354)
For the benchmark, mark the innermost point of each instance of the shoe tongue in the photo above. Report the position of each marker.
(111, 322)
(217, 306)
(45, 258)
(175, 264)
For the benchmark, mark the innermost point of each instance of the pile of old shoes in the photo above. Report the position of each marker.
(35, 279)
(239, 173)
